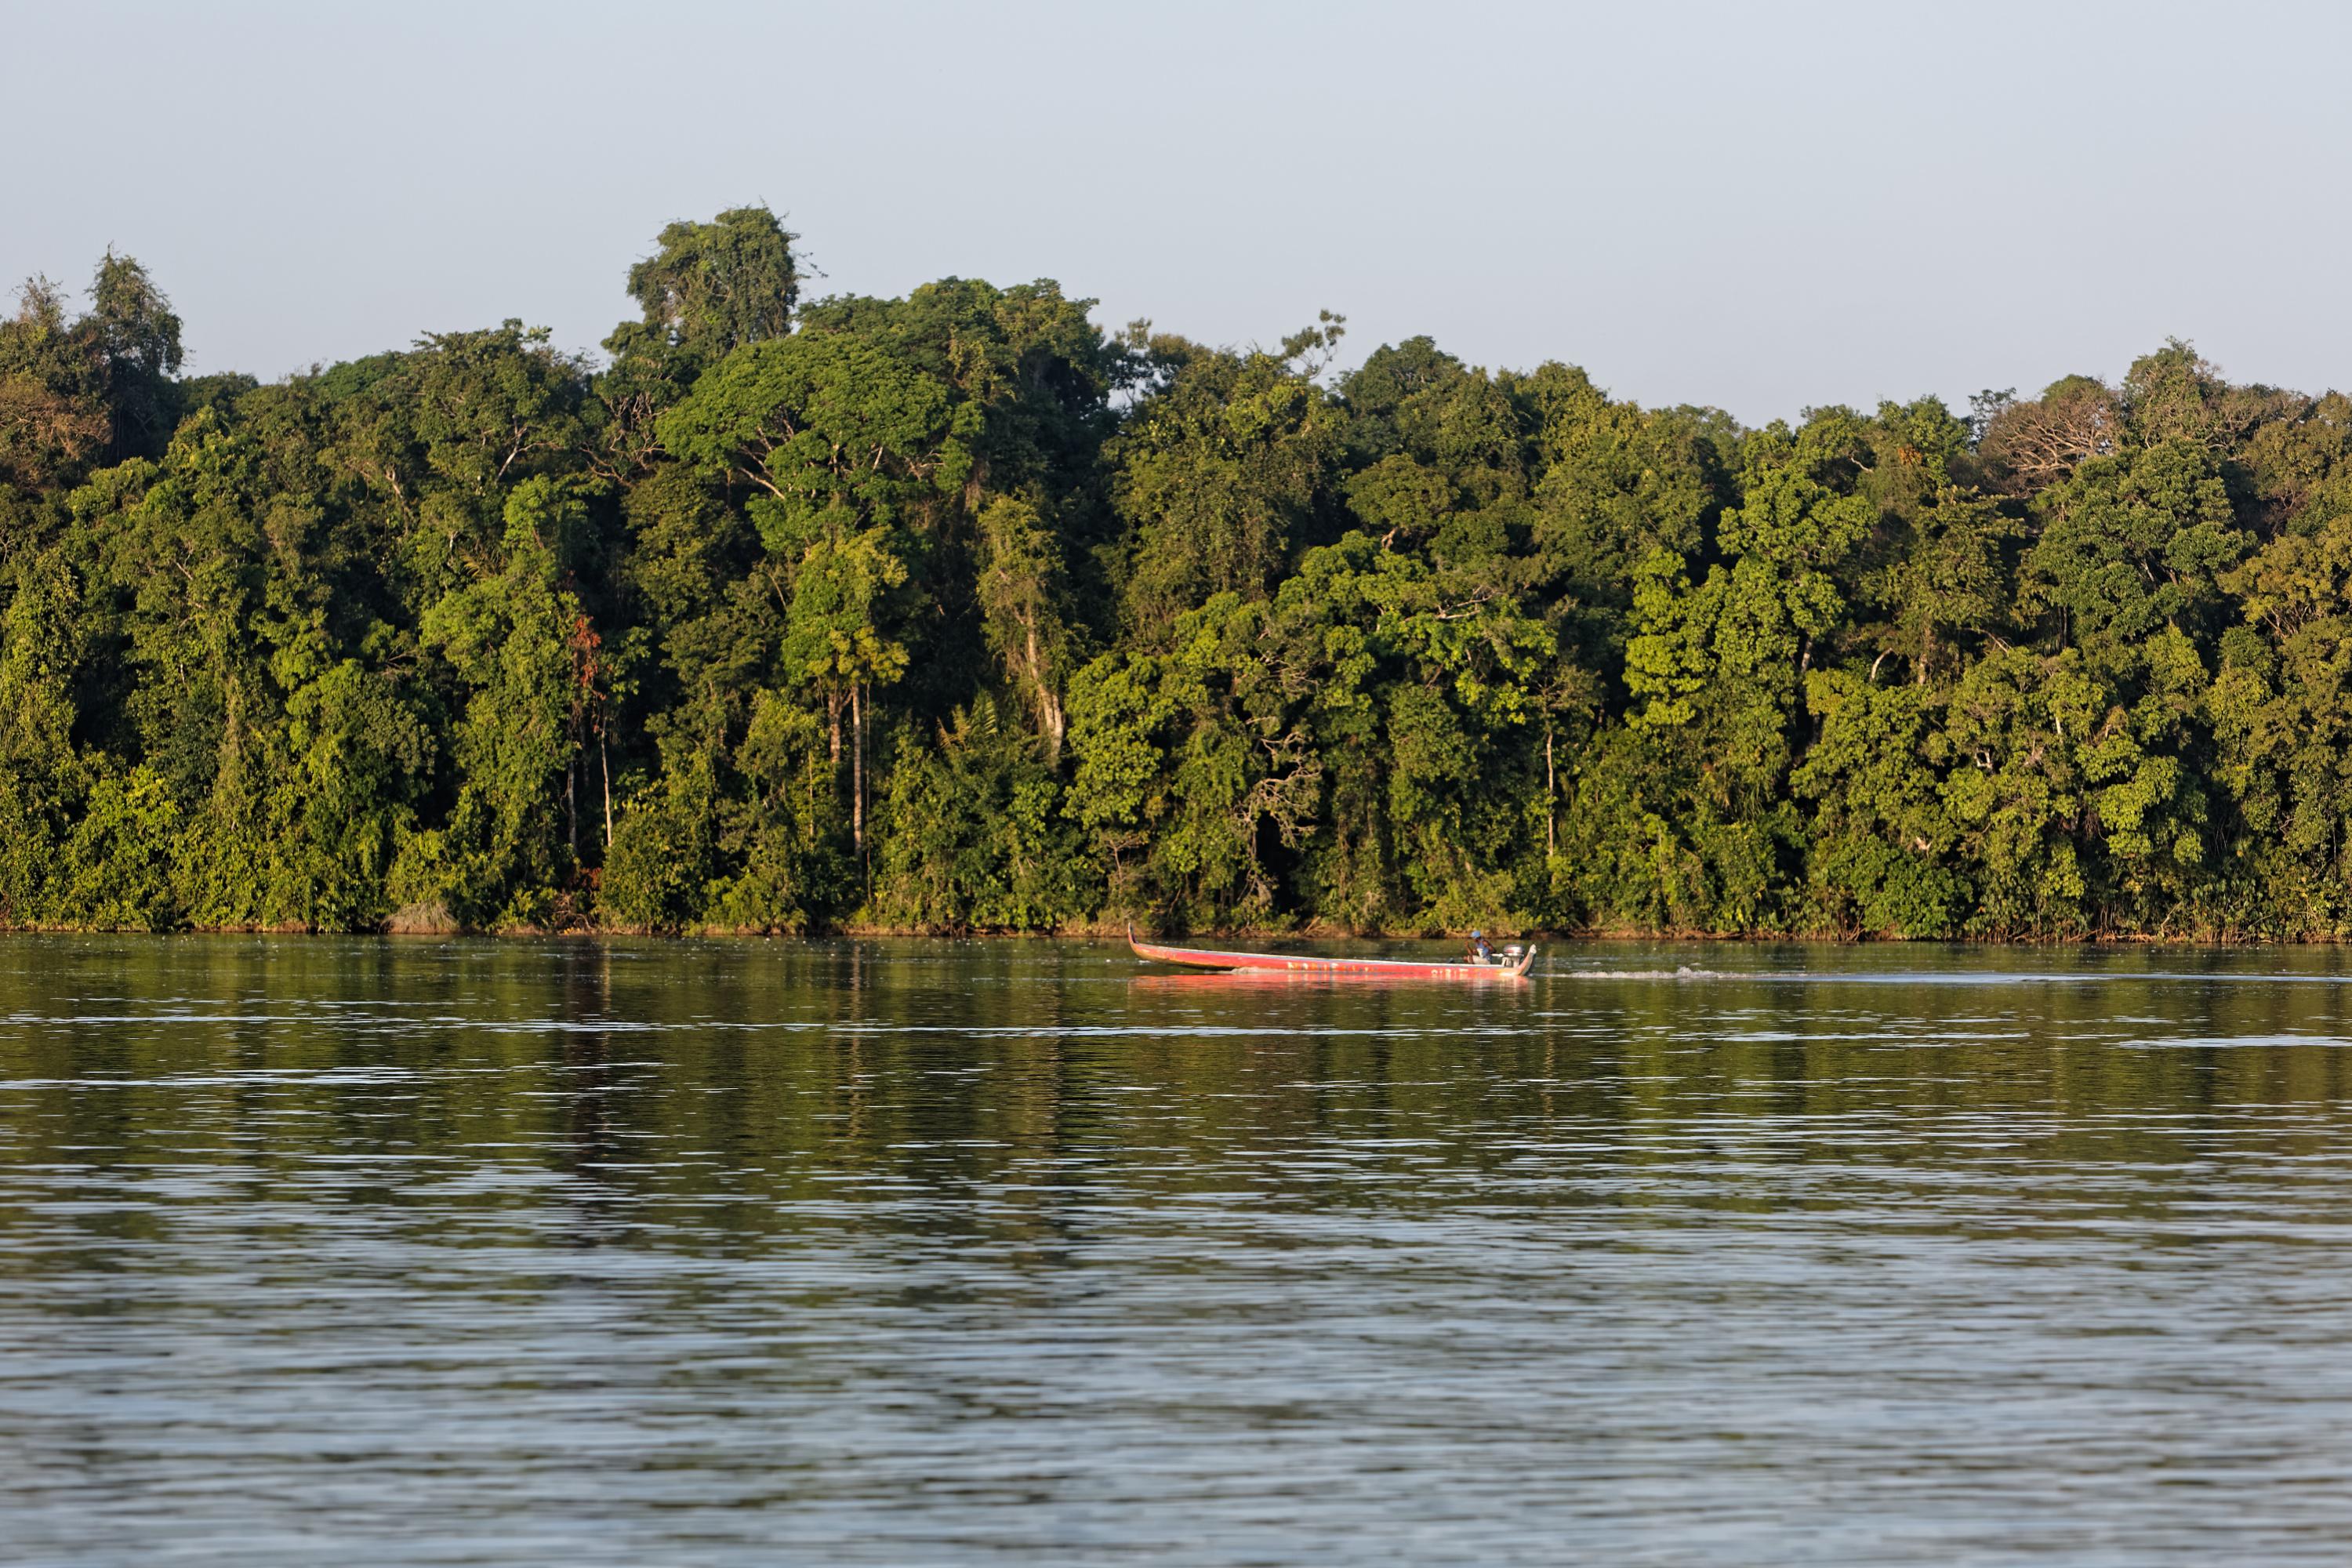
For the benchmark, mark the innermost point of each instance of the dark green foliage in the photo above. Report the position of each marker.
(713, 287)
(950, 613)
(973, 834)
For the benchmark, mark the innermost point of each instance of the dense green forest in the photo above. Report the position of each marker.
(955, 612)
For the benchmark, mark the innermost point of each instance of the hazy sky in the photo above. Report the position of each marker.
(1762, 206)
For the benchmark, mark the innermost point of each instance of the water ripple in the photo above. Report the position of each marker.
(928, 1253)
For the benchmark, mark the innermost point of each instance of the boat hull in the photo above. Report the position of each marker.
(1306, 965)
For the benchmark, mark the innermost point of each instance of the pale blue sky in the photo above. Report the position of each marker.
(1760, 207)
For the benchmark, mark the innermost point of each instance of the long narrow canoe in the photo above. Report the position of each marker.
(1308, 965)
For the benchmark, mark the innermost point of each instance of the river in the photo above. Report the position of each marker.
(711, 1252)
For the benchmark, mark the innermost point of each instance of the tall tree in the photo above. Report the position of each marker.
(710, 288)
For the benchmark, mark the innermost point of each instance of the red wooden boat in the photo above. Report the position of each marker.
(1511, 964)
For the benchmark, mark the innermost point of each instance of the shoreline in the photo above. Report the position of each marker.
(1245, 934)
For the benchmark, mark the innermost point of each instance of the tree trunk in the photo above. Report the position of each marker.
(1050, 723)
(1551, 842)
(857, 771)
(1055, 726)
(605, 762)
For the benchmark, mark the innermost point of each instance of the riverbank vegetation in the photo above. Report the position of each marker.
(955, 612)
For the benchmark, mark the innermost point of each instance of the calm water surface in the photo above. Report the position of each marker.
(713, 1253)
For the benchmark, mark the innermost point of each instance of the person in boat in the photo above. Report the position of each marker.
(1480, 953)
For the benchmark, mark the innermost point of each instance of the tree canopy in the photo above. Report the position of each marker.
(956, 612)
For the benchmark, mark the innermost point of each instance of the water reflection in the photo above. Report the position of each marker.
(722, 1252)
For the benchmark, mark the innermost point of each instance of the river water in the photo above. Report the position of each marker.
(316, 1250)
